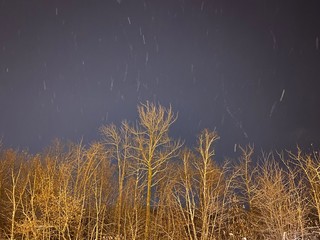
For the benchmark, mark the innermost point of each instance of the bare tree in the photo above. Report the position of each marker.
(168, 220)
(276, 202)
(242, 213)
(186, 195)
(134, 217)
(202, 195)
(118, 144)
(209, 178)
(16, 188)
(309, 166)
(154, 147)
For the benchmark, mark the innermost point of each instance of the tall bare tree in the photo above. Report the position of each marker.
(154, 147)
(118, 144)
(309, 166)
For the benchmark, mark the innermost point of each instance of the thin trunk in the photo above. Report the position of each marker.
(119, 207)
(148, 203)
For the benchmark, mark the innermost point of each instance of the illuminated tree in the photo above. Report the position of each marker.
(154, 147)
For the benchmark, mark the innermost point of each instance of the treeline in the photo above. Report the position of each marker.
(138, 183)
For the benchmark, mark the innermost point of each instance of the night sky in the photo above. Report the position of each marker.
(249, 69)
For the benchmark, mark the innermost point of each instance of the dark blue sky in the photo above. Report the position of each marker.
(250, 69)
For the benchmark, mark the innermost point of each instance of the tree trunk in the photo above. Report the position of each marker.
(148, 203)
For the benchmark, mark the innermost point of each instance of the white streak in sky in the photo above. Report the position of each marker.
(230, 113)
(243, 131)
(125, 73)
(245, 134)
(156, 43)
(283, 91)
(138, 82)
(202, 5)
(272, 109)
(143, 39)
(222, 119)
(238, 123)
(57, 12)
(138, 85)
(111, 84)
(273, 39)
(44, 86)
(235, 147)
(129, 21)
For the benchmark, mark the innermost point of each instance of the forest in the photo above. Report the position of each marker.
(137, 182)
